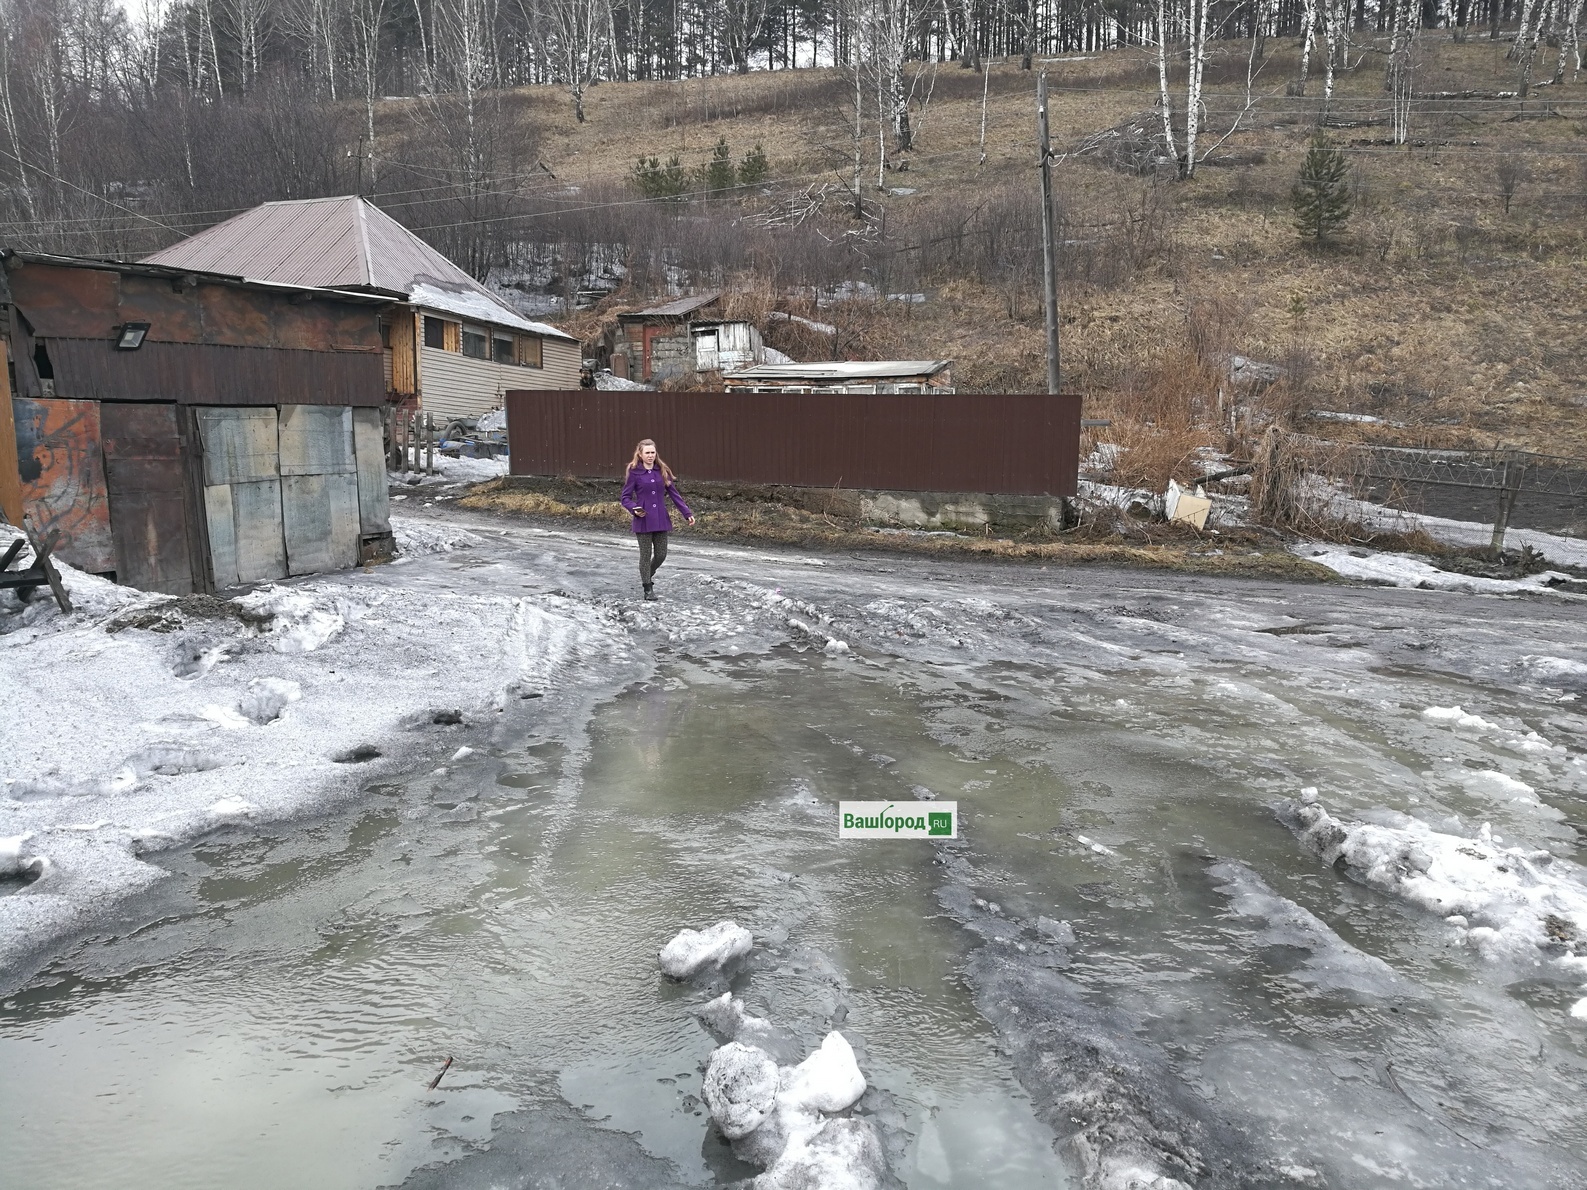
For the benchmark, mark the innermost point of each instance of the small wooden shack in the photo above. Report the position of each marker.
(188, 431)
(680, 338)
(452, 347)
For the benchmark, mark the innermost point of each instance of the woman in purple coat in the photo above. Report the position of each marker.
(650, 482)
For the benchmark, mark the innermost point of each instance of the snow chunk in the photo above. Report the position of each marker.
(1490, 782)
(224, 717)
(740, 1088)
(1458, 717)
(267, 698)
(694, 950)
(1520, 902)
(829, 1080)
(1560, 672)
(840, 1155)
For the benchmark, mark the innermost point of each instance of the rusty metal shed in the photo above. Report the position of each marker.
(188, 431)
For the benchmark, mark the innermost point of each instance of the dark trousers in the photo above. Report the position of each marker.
(652, 553)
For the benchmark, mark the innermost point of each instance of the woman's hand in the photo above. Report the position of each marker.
(691, 520)
(637, 511)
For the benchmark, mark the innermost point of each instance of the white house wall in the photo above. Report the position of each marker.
(455, 385)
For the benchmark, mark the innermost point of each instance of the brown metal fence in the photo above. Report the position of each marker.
(1004, 443)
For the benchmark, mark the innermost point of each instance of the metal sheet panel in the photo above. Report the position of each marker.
(240, 445)
(148, 510)
(369, 446)
(261, 546)
(320, 515)
(210, 374)
(63, 478)
(221, 521)
(316, 440)
(1001, 443)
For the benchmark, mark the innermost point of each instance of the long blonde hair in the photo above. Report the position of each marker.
(636, 462)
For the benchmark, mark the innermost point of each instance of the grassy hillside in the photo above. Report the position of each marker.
(1437, 308)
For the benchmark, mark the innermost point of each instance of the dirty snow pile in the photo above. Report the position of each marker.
(1514, 903)
(139, 721)
(450, 470)
(1406, 570)
(415, 538)
(693, 951)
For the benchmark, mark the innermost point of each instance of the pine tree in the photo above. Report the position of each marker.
(1321, 196)
(754, 169)
(656, 180)
(717, 176)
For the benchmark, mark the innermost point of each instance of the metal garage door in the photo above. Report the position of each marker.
(242, 494)
(319, 488)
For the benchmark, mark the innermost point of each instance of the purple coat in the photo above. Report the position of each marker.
(646, 492)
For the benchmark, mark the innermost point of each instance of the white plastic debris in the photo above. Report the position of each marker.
(694, 950)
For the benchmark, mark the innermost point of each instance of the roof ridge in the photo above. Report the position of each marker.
(363, 239)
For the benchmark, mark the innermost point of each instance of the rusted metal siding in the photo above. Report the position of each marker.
(1004, 443)
(204, 374)
(89, 303)
(148, 510)
(63, 478)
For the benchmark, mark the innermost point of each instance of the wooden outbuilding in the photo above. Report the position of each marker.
(451, 347)
(680, 338)
(185, 431)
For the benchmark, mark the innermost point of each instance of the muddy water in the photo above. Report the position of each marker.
(274, 1012)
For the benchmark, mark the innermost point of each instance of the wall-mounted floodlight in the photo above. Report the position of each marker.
(131, 336)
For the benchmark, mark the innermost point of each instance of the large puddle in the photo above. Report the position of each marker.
(275, 1011)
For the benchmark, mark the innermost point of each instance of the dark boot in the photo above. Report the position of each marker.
(650, 593)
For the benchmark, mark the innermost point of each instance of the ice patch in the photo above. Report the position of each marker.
(1522, 904)
(1499, 785)
(1331, 963)
(1558, 672)
(170, 759)
(694, 950)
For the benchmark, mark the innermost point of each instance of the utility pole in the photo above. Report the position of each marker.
(1049, 245)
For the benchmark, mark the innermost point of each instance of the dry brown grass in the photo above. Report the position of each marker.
(1437, 308)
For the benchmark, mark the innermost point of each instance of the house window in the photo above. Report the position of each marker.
(503, 350)
(531, 351)
(434, 332)
(476, 345)
(385, 334)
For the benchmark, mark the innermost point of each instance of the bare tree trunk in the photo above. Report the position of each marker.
(1165, 101)
(1199, 11)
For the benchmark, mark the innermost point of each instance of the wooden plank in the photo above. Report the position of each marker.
(221, 520)
(374, 501)
(10, 475)
(261, 544)
(63, 478)
(148, 512)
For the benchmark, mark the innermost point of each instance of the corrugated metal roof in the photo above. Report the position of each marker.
(844, 370)
(674, 309)
(337, 243)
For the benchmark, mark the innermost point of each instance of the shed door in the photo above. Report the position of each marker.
(319, 488)
(148, 510)
(63, 478)
(242, 494)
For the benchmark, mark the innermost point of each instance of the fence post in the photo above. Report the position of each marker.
(1510, 488)
(429, 444)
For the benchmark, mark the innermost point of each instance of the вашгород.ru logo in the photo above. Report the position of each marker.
(885, 820)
